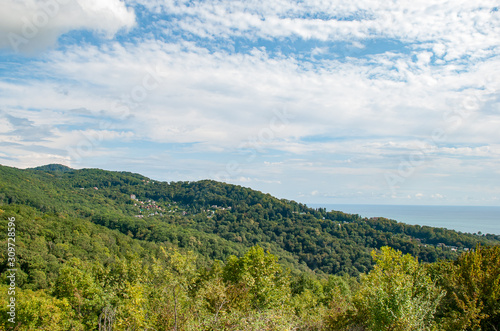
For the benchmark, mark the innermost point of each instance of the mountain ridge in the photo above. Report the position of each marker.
(92, 245)
(303, 237)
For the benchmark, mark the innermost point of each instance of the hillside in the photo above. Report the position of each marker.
(217, 219)
(101, 250)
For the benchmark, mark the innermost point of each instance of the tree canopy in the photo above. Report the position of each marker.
(99, 250)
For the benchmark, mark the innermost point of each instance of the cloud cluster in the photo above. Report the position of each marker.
(451, 30)
(185, 108)
(33, 25)
(219, 101)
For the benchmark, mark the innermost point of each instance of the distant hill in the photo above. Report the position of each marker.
(217, 219)
(104, 250)
(53, 168)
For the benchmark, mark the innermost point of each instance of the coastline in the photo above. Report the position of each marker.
(470, 219)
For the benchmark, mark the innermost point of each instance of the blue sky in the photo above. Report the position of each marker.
(317, 101)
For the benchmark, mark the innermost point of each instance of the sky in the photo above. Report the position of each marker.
(363, 102)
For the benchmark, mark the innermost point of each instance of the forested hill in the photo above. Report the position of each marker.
(99, 250)
(216, 219)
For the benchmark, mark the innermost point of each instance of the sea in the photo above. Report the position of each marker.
(470, 219)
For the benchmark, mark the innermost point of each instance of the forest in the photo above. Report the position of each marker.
(102, 250)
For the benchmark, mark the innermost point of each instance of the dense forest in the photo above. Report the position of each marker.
(101, 250)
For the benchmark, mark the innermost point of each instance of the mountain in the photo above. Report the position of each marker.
(224, 219)
(96, 249)
(53, 168)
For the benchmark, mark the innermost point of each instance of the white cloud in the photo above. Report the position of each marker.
(34, 25)
(223, 100)
(453, 29)
(351, 119)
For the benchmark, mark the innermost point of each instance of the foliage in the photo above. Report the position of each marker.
(398, 294)
(260, 275)
(473, 290)
(37, 310)
(197, 256)
(218, 220)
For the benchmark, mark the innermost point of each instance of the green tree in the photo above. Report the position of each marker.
(76, 284)
(259, 275)
(37, 310)
(397, 295)
(473, 290)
